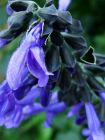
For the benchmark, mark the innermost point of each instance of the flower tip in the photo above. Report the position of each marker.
(46, 124)
(3, 42)
(70, 114)
(42, 82)
(9, 9)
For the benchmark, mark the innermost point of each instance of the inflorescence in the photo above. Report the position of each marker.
(52, 70)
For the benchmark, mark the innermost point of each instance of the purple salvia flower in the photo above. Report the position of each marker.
(63, 4)
(31, 53)
(95, 132)
(51, 109)
(12, 109)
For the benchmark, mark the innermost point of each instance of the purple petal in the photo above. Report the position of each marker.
(9, 9)
(2, 120)
(32, 109)
(36, 65)
(102, 96)
(3, 42)
(93, 121)
(57, 107)
(4, 88)
(99, 136)
(54, 98)
(34, 36)
(45, 96)
(15, 119)
(49, 118)
(86, 132)
(80, 119)
(8, 105)
(63, 4)
(16, 67)
(74, 110)
(31, 96)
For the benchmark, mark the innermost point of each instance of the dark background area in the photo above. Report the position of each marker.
(92, 14)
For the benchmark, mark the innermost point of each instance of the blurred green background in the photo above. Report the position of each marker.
(92, 14)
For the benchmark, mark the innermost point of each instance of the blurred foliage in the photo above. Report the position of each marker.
(91, 13)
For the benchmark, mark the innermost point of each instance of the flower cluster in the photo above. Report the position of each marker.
(52, 70)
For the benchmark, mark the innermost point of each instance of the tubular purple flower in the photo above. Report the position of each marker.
(31, 53)
(95, 132)
(63, 4)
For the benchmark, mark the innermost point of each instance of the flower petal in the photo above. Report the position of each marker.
(49, 118)
(93, 121)
(34, 36)
(74, 110)
(36, 65)
(33, 94)
(14, 119)
(57, 107)
(3, 42)
(16, 67)
(8, 105)
(63, 4)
